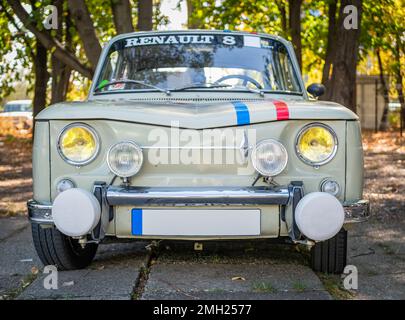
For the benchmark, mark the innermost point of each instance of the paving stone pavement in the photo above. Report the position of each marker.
(223, 270)
(179, 273)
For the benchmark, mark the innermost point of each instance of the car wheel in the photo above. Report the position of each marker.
(330, 256)
(54, 248)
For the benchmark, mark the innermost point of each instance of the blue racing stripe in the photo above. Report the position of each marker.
(242, 113)
(136, 223)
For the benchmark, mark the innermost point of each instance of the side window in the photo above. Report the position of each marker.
(290, 80)
(110, 68)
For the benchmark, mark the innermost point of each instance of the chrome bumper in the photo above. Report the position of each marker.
(165, 196)
(39, 213)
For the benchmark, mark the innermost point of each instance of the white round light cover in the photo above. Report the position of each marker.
(76, 212)
(319, 216)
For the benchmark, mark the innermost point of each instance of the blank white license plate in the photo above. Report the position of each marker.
(195, 222)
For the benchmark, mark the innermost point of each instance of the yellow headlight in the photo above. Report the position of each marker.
(316, 144)
(78, 144)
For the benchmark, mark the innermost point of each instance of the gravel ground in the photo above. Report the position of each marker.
(15, 175)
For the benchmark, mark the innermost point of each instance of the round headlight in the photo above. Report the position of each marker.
(125, 159)
(316, 144)
(269, 157)
(78, 144)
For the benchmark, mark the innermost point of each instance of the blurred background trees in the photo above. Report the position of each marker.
(58, 64)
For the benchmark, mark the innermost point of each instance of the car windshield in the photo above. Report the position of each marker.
(198, 62)
(17, 107)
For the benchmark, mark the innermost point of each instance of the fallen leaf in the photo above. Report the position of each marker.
(34, 270)
(238, 279)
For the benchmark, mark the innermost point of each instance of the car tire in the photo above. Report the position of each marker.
(54, 248)
(330, 256)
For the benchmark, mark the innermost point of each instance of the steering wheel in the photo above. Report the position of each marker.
(243, 77)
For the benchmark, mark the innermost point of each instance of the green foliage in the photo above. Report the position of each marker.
(381, 25)
(15, 53)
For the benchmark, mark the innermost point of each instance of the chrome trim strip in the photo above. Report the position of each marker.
(357, 212)
(196, 196)
(39, 213)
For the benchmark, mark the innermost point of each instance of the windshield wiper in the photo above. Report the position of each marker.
(217, 85)
(103, 85)
(259, 91)
(201, 85)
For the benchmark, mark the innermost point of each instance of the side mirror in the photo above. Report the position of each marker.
(316, 89)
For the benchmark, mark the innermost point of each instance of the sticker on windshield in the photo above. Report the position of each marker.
(117, 86)
(252, 41)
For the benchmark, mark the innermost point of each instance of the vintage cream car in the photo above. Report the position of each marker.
(196, 135)
(17, 114)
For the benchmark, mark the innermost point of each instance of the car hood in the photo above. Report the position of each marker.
(16, 114)
(198, 115)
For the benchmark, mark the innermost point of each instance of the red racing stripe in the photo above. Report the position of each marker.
(282, 110)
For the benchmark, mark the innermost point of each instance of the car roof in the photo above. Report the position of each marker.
(19, 102)
(196, 31)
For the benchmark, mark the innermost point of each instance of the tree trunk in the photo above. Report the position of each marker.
(384, 118)
(41, 79)
(330, 49)
(342, 85)
(145, 15)
(295, 27)
(283, 13)
(192, 22)
(60, 71)
(84, 25)
(399, 82)
(47, 41)
(122, 15)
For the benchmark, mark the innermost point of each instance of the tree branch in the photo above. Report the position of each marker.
(145, 15)
(85, 28)
(14, 23)
(122, 16)
(48, 42)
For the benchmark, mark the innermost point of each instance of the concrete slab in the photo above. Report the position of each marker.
(242, 270)
(18, 255)
(378, 252)
(233, 281)
(112, 275)
(11, 225)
